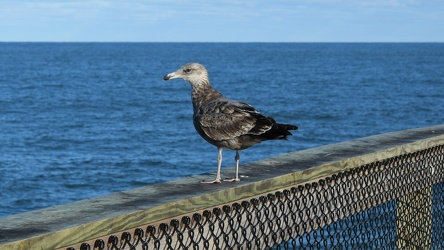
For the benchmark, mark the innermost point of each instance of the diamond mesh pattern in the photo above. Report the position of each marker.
(397, 203)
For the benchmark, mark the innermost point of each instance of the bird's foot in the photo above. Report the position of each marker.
(217, 180)
(232, 179)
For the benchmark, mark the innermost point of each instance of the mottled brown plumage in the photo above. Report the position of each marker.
(223, 122)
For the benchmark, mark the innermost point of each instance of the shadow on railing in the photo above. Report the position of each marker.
(383, 191)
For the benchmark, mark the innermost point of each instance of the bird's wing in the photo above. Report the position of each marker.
(226, 119)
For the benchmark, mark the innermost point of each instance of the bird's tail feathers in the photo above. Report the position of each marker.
(287, 126)
(279, 132)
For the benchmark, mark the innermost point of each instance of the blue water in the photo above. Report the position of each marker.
(80, 120)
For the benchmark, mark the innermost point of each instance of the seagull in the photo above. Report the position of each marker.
(225, 123)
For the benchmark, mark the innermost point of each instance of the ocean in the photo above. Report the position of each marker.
(81, 120)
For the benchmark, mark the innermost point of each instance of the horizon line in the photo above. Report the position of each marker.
(221, 42)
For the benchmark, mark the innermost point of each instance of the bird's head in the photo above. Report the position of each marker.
(194, 73)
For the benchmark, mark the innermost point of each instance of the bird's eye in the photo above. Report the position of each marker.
(187, 70)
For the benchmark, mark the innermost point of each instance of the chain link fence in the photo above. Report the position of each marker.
(397, 203)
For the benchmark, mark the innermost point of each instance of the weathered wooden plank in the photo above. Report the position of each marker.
(68, 224)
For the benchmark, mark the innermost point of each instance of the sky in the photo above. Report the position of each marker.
(222, 21)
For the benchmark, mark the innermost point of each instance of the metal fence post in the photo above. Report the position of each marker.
(414, 220)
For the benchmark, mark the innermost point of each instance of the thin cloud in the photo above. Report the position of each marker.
(82, 10)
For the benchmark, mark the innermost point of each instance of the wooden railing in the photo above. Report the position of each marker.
(384, 191)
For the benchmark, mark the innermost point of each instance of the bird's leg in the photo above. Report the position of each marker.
(219, 163)
(236, 158)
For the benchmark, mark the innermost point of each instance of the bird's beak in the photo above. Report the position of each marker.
(170, 76)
